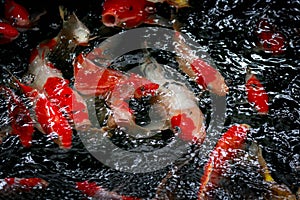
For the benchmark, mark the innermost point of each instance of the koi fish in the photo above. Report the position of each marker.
(113, 85)
(21, 120)
(8, 33)
(270, 40)
(48, 116)
(256, 93)
(202, 72)
(127, 13)
(91, 189)
(49, 79)
(72, 34)
(226, 148)
(16, 14)
(184, 115)
(24, 184)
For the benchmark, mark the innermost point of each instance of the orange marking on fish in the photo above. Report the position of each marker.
(256, 94)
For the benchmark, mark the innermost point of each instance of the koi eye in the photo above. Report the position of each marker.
(130, 8)
(177, 129)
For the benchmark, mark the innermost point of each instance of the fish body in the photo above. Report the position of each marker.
(48, 116)
(184, 115)
(24, 184)
(201, 71)
(22, 123)
(16, 14)
(8, 33)
(126, 13)
(226, 149)
(73, 30)
(256, 94)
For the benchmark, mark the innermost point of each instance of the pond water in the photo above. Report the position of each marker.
(227, 30)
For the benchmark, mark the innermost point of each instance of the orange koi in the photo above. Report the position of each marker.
(226, 149)
(117, 87)
(256, 93)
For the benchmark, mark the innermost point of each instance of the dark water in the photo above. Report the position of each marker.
(226, 28)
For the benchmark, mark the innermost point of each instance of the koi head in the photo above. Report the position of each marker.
(8, 33)
(126, 13)
(76, 31)
(16, 14)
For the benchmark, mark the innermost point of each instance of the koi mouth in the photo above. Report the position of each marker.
(110, 20)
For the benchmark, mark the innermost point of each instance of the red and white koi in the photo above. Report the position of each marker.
(50, 120)
(127, 13)
(73, 33)
(91, 189)
(49, 79)
(8, 33)
(184, 114)
(21, 123)
(198, 69)
(256, 93)
(270, 40)
(226, 149)
(23, 184)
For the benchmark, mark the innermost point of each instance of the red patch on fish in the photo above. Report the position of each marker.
(25, 183)
(145, 90)
(16, 14)
(88, 188)
(205, 73)
(21, 121)
(185, 125)
(8, 33)
(63, 96)
(126, 13)
(256, 94)
(52, 121)
(91, 79)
